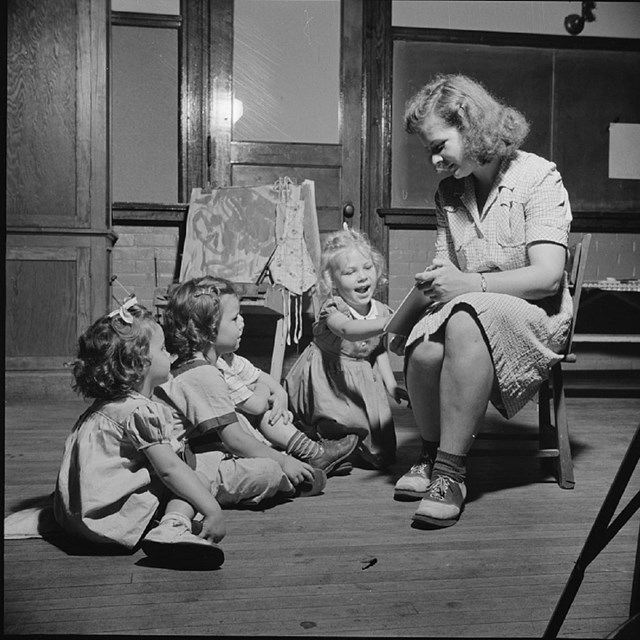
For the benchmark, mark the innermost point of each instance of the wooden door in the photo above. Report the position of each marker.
(335, 167)
(58, 231)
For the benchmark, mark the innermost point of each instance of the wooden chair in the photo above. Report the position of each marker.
(554, 438)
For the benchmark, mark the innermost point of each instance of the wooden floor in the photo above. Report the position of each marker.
(346, 563)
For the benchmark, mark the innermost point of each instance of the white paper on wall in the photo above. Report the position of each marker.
(624, 151)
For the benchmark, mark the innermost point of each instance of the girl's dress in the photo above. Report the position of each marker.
(107, 490)
(338, 380)
(528, 204)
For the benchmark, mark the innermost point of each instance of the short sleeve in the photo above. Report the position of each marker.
(238, 373)
(331, 306)
(547, 210)
(202, 396)
(445, 247)
(245, 369)
(149, 424)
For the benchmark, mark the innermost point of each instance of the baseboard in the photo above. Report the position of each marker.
(50, 385)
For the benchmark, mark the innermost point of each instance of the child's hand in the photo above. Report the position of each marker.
(396, 344)
(279, 402)
(296, 470)
(213, 527)
(399, 394)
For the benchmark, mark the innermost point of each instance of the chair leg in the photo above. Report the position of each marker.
(565, 463)
(546, 434)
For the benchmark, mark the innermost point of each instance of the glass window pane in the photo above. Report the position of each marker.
(286, 70)
(144, 121)
(168, 7)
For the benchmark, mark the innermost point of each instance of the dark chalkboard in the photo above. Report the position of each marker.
(568, 96)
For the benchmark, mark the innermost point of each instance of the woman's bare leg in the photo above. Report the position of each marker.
(423, 385)
(466, 381)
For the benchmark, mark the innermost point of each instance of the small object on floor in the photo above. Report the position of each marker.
(443, 504)
(173, 544)
(413, 484)
(308, 488)
(333, 452)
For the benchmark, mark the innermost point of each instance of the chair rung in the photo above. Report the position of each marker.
(529, 453)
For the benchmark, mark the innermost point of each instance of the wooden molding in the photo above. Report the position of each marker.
(583, 221)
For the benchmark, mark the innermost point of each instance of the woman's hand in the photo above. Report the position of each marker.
(443, 281)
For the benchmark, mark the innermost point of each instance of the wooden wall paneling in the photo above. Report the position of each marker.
(194, 91)
(41, 113)
(351, 125)
(282, 153)
(376, 161)
(42, 303)
(326, 181)
(99, 178)
(58, 234)
(220, 73)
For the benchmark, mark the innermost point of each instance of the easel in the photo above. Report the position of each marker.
(602, 532)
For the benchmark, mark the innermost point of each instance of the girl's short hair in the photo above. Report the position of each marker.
(113, 354)
(334, 246)
(193, 313)
(490, 129)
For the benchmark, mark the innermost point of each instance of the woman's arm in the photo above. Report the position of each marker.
(542, 278)
(183, 482)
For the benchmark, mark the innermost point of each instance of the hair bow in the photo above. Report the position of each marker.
(123, 311)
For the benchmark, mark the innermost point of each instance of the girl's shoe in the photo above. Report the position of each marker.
(443, 504)
(413, 484)
(313, 487)
(173, 544)
(333, 452)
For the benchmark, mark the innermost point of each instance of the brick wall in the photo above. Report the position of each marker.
(143, 258)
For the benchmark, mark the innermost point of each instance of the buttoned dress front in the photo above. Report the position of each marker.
(528, 204)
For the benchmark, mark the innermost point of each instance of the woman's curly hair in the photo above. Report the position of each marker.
(490, 129)
(113, 355)
(193, 314)
(334, 246)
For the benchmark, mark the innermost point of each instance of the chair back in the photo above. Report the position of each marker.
(575, 268)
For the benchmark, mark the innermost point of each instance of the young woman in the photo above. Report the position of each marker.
(501, 308)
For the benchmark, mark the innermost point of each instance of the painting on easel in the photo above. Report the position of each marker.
(231, 233)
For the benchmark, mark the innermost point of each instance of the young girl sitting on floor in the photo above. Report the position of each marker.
(121, 467)
(264, 401)
(203, 322)
(340, 382)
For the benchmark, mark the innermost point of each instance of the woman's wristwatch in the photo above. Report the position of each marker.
(483, 283)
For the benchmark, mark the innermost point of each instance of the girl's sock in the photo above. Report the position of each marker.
(429, 450)
(174, 515)
(450, 464)
(301, 447)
